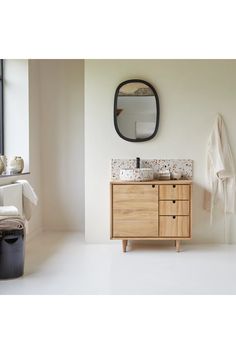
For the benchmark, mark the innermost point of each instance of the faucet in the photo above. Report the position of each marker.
(137, 162)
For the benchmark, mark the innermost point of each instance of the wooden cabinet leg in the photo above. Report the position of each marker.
(124, 245)
(177, 245)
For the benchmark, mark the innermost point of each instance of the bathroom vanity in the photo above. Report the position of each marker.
(153, 210)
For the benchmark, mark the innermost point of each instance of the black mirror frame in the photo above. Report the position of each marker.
(115, 110)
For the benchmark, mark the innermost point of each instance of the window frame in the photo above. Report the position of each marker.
(2, 108)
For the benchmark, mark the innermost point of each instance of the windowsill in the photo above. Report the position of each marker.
(14, 175)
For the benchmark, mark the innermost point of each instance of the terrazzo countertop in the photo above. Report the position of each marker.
(185, 167)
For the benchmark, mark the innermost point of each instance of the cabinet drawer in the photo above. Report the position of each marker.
(174, 192)
(174, 226)
(134, 229)
(135, 215)
(135, 197)
(174, 207)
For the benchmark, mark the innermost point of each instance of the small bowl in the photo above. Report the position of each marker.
(176, 175)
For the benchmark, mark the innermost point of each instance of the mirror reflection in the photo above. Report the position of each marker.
(136, 110)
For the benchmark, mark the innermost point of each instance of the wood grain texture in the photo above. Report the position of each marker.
(111, 211)
(174, 192)
(173, 207)
(124, 245)
(177, 245)
(190, 211)
(134, 228)
(134, 198)
(145, 210)
(135, 211)
(171, 238)
(135, 214)
(174, 226)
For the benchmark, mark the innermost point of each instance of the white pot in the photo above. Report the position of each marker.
(16, 164)
(3, 158)
(176, 175)
(2, 165)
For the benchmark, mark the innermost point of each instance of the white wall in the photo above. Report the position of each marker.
(16, 110)
(35, 143)
(62, 145)
(191, 92)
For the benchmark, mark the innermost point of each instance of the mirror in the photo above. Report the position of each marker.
(136, 110)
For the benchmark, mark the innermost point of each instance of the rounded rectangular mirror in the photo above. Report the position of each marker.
(136, 110)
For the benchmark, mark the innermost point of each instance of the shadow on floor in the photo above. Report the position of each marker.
(150, 245)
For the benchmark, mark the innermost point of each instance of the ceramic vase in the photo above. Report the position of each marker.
(16, 164)
(2, 165)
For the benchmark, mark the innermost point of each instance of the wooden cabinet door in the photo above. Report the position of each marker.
(135, 210)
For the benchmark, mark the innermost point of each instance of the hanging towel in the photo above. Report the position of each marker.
(220, 170)
(30, 198)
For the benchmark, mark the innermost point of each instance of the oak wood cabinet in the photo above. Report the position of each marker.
(155, 210)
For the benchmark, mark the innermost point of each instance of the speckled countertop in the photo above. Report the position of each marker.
(185, 167)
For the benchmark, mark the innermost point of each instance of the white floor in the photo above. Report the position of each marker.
(62, 263)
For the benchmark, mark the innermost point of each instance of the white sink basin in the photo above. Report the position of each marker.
(136, 174)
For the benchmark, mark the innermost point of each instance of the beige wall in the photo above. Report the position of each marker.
(35, 224)
(191, 92)
(62, 143)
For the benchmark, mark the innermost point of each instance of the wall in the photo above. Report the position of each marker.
(62, 147)
(35, 143)
(191, 92)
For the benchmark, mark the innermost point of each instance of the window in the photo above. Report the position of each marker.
(1, 109)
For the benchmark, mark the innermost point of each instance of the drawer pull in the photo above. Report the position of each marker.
(153, 185)
(174, 217)
(174, 185)
(173, 201)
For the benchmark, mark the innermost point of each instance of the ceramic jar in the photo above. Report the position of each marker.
(16, 164)
(3, 158)
(2, 164)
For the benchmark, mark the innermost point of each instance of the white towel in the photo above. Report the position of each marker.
(220, 169)
(8, 211)
(28, 191)
(30, 198)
